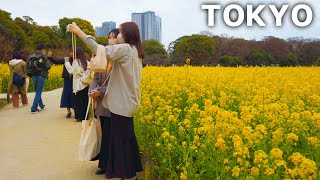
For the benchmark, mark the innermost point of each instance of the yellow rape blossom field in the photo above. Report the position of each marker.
(225, 123)
(54, 81)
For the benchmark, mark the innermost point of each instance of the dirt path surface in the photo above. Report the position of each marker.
(41, 146)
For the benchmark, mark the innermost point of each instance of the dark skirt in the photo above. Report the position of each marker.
(66, 97)
(80, 103)
(123, 153)
(103, 155)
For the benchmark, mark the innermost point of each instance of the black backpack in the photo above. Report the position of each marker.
(18, 80)
(35, 65)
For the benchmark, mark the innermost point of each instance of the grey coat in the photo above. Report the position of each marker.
(98, 79)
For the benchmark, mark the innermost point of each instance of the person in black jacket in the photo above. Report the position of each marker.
(66, 97)
(38, 67)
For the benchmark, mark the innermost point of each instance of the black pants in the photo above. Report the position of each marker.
(80, 103)
(105, 126)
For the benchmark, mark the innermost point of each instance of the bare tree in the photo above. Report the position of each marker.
(6, 49)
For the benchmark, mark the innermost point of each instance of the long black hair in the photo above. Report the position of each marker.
(81, 57)
(115, 31)
(17, 54)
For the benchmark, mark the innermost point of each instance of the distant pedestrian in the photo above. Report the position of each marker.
(38, 66)
(17, 70)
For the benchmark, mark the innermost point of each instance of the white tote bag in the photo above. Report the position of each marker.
(99, 63)
(91, 135)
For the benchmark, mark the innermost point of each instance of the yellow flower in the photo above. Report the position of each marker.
(184, 144)
(226, 161)
(165, 134)
(237, 140)
(269, 171)
(280, 163)
(259, 156)
(208, 102)
(158, 144)
(313, 141)
(254, 171)
(169, 146)
(236, 171)
(227, 168)
(221, 144)
(296, 158)
(183, 176)
(277, 135)
(291, 137)
(276, 153)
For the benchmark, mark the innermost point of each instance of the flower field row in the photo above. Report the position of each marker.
(225, 123)
(54, 81)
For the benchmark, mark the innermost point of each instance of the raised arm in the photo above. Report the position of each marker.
(56, 61)
(88, 40)
(69, 67)
(113, 52)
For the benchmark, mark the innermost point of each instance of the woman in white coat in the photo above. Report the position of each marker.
(79, 69)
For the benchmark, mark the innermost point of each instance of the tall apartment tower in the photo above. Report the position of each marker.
(105, 29)
(149, 25)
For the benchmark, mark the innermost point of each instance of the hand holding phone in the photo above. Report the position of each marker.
(95, 93)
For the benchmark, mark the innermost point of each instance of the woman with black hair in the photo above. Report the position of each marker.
(79, 69)
(97, 90)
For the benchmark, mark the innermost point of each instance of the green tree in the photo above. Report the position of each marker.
(29, 20)
(230, 61)
(155, 52)
(85, 25)
(27, 27)
(55, 40)
(40, 37)
(317, 62)
(260, 58)
(198, 48)
(154, 47)
(11, 30)
(292, 59)
(102, 40)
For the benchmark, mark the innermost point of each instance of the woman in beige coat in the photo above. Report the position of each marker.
(18, 66)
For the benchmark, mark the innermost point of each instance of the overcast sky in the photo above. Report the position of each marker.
(179, 17)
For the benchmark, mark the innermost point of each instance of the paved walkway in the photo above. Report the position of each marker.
(41, 146)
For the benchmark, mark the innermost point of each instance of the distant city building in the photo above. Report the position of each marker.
(105, 29)
(149, 25)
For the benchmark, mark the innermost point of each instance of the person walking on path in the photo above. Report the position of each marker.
(66, 97)
(122, 98)
(38, 66)
(18, 66)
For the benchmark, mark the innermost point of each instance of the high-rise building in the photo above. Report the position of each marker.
(105, 29)
(149, 25)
